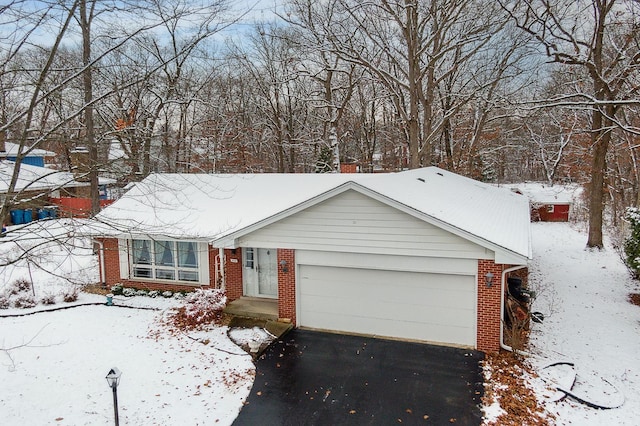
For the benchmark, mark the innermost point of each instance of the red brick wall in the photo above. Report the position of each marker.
(111, 261)
(112, 268)
(489, 302)
(233, 272)
(287, 285)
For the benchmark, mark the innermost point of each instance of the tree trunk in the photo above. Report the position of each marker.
(87, 82)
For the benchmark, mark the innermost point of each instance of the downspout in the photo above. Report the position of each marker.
(223, 277)
(502, 285)
(103, 279)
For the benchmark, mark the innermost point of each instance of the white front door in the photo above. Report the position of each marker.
(260, 272)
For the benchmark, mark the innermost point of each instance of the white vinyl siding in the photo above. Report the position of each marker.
(353, 222)
(439, 308)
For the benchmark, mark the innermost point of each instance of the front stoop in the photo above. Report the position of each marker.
(276, 328)
(253, 307)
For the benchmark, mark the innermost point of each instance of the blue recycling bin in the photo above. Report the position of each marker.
(17, 216)
(43, 214)
(28, 215)
(52, 211)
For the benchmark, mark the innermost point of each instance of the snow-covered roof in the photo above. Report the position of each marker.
(34, 178)
(543, 193)
(11, 150)
(210, 207)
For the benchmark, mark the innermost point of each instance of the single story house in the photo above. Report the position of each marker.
(420, 255)
(549, 203)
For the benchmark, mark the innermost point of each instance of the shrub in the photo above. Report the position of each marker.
(24, 301)
(632, 242)
(154, 293)
(179, 295)
(129, 292)
(200, 307)
(4, 302)
(48, 299)
(116, 290)
(20, 285)
(167, 293)
(71, 294)
(141, 293)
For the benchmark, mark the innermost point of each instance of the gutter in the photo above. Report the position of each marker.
(503, 281)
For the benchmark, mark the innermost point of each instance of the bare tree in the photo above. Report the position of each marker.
(597, 40)
(335, 78)
(418, 51)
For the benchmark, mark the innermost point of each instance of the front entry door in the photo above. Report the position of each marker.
(260, 273)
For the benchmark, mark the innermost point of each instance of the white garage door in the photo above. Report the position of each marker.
(410, 305)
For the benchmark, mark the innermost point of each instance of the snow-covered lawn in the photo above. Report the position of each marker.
(53, 364)
(589, 322)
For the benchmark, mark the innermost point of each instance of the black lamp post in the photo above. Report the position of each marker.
(113, 378)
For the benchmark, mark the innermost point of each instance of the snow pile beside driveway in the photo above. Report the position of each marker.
(588, 322)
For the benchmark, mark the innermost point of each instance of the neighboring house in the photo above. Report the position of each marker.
(422, 254)
(39, 192)
(35, 156)
(549, 203)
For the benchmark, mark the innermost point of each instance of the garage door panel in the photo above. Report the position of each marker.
(412, 305)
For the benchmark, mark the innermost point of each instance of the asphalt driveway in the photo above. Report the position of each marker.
(314, 378)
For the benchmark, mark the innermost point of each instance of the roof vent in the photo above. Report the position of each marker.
(421, 179)
(439, 174)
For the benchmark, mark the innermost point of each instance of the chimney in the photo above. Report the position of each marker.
(348, 168)
(80, 164)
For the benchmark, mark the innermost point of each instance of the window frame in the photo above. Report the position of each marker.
(170, 261)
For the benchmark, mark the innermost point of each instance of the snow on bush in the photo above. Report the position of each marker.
(71, 294)
(200, 308)
(24, 301)
(129, 292)
(632, 242)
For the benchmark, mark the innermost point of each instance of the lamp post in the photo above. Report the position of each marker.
(113, 378)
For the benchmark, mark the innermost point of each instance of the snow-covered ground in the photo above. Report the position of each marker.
(589, 322)
(53, 364)
(56, 372)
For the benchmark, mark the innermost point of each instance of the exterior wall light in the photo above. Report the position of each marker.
(283, 266)
(488, 279)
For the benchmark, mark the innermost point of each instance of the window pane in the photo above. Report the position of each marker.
(164, 253)
(141, 253)
(187, 254)
(142, 272)
(188, 276)
(248, 256)
(165, 274)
